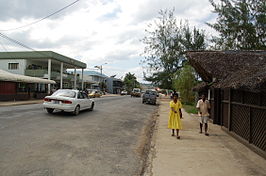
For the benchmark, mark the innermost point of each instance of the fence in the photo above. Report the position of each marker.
(243, 113)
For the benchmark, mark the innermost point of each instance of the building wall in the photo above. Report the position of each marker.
(242, 113)
(23, 69)
(97, 78)
(87, 78)
(21, 65)
(7, 88)
(109, 85)
(113, 85)
(88, 81)
(26, 64)
(10, 91)
(92, 81)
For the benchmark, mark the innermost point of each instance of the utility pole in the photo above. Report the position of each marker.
(101, 69)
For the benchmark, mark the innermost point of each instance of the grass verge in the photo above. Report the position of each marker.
(190, 109)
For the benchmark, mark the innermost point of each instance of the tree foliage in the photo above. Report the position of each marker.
(165, 45)
(241, 24)
(130, 82)
(184, 83)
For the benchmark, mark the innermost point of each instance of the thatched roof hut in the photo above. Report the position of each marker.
(201, 87)
(231, 69)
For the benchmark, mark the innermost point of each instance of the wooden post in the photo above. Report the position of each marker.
(82, 79)
(242, 93)
(222, 107)
(250, 125)
(49, 75)
(61, 75)
(75, 78)
(260, 99)
(229, 110)
(217, 106)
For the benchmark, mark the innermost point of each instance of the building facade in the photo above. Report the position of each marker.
(44, 64)
(114, 85)
(93, 80)
(19, 87)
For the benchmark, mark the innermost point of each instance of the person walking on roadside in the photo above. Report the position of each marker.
(172, 95)
(203, 107)
(175, 114)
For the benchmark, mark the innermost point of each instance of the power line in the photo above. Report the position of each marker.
(15, 41)
(41, 18)
(3, 46)
(21, 44)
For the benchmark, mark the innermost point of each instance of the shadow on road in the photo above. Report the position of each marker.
(63, 114)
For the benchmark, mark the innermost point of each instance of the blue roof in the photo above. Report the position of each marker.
(93, 73)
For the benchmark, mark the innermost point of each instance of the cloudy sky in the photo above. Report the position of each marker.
(94, 31)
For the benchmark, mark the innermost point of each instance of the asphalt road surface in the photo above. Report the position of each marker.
(102, 142)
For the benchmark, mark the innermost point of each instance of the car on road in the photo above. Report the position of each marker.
(136, 92)
(95, 94)
(123, 92)
(68, 100)
(150, 96)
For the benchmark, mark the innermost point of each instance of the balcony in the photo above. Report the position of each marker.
(36, 73)
(41, 73)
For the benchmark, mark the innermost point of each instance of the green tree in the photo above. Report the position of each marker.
(130, 82)
(184, 82)
(165, 45)
(241, 24)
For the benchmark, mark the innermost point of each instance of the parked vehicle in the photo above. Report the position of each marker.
(136, 92)
(95, 94)
(123, 92)
(68, 100)
(150, 96)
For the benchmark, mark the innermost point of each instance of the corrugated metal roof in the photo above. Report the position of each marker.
(94, 73)
(42, 55)
(7, 76)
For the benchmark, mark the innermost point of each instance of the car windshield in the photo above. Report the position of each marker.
(150, 92)
(136, 90)
(65, 93)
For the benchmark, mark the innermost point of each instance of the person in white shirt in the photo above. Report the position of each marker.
(203, 107)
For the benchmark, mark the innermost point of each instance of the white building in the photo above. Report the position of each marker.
(44, 64)
(93, 79)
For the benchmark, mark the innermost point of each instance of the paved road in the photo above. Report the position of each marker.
(101, 142)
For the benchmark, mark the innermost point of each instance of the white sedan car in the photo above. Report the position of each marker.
(68, 100)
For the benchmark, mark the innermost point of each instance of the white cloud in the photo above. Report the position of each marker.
(100, 31)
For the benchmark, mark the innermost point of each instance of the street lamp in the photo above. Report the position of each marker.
(100, 67)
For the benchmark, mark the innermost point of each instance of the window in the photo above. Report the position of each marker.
(12, 66)
(65, 93)
(22, 87)
(80, 95)
(85, 95)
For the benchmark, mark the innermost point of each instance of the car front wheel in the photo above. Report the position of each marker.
(76, 111)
